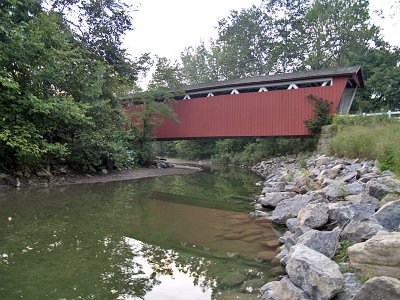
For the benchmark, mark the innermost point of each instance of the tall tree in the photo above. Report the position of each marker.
(59, 88)
(336, 31)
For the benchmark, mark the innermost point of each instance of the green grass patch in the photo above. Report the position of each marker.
(343, 254)
(377, 139)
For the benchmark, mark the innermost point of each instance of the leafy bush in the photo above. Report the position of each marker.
(321, 114)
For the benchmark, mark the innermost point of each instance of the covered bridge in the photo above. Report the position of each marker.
(264, 106)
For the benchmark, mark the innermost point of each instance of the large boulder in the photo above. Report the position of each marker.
(335, 191)
(382, 186)
(383, 287)
(289, 208)
(361, 230)
(272, 199)
(389, 215)
(378, 256)
(352, 286)
(314, 215)
(324, 242)
(273, 187)
(345, 213)
(314, 273)
(282, 290)
(354, 188)
(362, 198)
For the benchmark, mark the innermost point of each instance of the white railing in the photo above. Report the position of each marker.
(390, 114)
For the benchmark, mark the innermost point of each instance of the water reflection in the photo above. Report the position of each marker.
(75, 242)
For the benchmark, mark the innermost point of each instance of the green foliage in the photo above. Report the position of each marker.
(59, 84)
(342, 254)
(381, 71)
(321, 114)
(236, 151)
(365, 277)
(371, 140)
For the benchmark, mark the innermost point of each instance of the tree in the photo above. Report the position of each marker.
(336, 31)
(201, 64)
(59, 87)
(243, 40)
(381, 68)
(154, 104)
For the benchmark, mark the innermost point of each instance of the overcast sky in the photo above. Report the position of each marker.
(166, 27)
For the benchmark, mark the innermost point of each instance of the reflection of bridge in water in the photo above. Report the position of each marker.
(273, 105)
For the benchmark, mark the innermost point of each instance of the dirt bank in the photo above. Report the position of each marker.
(80, 178)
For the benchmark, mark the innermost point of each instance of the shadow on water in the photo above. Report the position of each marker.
(185, 235)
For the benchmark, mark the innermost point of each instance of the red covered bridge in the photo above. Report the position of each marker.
(266, 106)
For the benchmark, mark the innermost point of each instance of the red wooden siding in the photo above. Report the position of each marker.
(272, 113)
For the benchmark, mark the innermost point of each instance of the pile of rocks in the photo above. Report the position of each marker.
(327, 202)
(161, 163)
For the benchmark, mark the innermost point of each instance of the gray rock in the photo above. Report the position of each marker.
(282, 290)
(352, 286)
(327, 182)
(17, 182)
(389, 215)
(259, 214)
(324, 242)
(104, 171)
(314, 215)
(383, 287)
(345, 213)
(388, 173)
(283, 256)
(361, 230)
(274, 187)
(328, 173)
(349, 177)
(272, 199)
(382, 186)
(354, 188)
(389, 198)
(334, 191)
(44, 173)
(379, 256)
(367, 177)
(362, 198)
(289, 208)
(258, 206)
(314, 273)
(63, 170)
(291, 224)
(320, 161)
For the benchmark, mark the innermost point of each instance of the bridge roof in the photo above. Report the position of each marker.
(353, 71)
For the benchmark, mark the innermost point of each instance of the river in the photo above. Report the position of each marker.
(173, 237)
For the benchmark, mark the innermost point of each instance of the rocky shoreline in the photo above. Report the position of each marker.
(342, 218)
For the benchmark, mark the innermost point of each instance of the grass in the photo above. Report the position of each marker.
(343, 255)
(377, 139)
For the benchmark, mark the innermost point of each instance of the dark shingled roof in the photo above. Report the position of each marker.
(354, 71)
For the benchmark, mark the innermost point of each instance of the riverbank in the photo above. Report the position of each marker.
(342, 218)
(67, 177)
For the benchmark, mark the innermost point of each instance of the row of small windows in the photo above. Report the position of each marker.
(253, 89)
